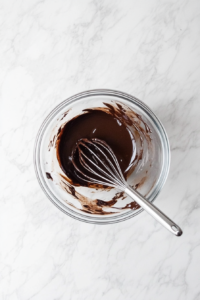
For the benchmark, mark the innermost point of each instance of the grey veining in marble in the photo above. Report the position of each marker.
(50, 50)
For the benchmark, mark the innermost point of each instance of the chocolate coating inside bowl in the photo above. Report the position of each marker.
(128, 134)
(101, 125)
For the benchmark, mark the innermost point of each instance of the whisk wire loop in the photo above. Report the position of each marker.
(107, 172)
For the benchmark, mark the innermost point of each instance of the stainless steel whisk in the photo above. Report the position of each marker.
(98, 164)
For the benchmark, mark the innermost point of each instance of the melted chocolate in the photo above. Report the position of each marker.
(100, 125)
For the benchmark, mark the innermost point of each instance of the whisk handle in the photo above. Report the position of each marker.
(154, 212)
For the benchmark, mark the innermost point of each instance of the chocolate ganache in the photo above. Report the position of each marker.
(96, 124)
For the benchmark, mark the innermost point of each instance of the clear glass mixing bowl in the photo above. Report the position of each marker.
(44, 160)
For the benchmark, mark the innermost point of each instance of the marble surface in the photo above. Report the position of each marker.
(50, 50)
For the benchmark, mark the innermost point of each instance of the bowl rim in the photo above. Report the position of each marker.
(113, 218)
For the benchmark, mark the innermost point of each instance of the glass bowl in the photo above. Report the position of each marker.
(45, 162)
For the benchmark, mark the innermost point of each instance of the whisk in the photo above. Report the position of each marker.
(95, 162)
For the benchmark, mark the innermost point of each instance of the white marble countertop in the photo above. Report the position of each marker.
(50, 50)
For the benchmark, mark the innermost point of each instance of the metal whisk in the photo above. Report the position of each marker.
(95, 162)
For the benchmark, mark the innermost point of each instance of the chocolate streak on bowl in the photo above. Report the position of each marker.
(141, 133)
(48, 175)
(96, 206)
